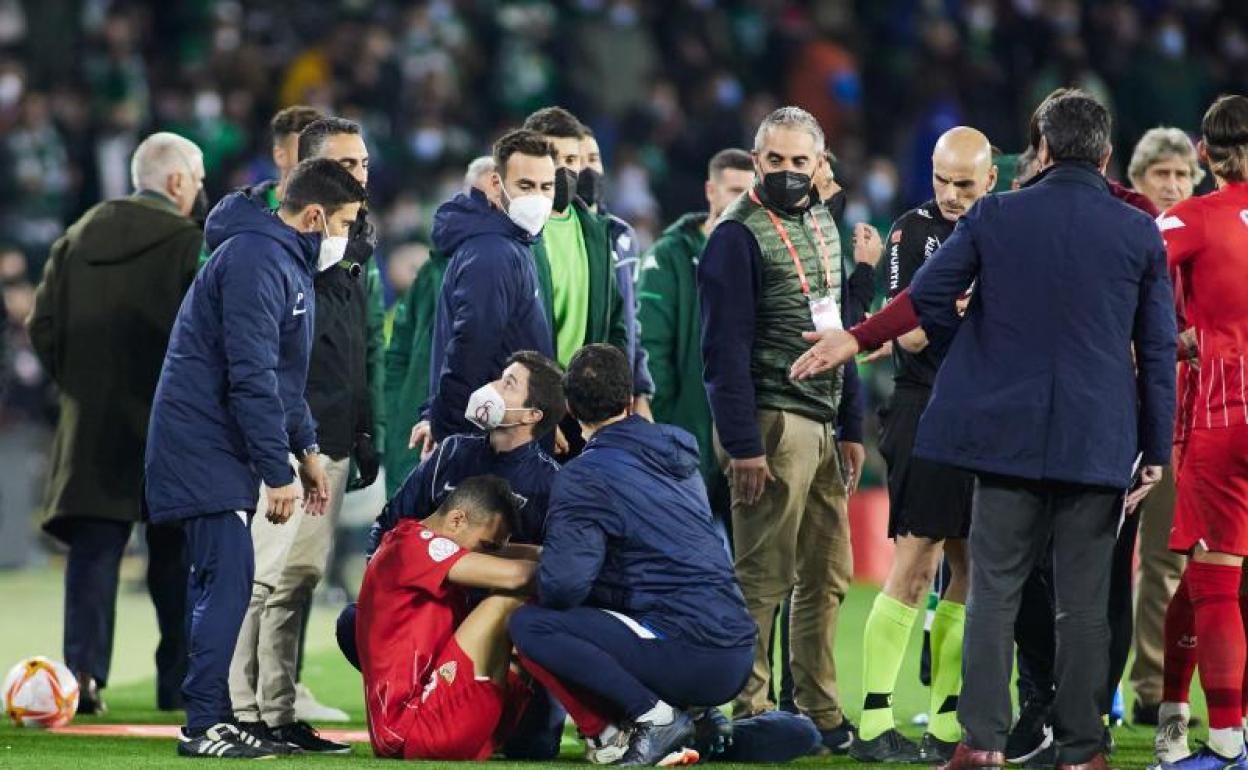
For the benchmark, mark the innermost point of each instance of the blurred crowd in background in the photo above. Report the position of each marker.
(663, 84)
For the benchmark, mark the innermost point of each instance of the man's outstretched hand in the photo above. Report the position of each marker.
(832, 348)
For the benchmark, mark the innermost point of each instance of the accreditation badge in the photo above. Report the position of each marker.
(824, 313)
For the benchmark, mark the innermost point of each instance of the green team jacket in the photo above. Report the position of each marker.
(606, 307)
(671, 333)
(407, 367)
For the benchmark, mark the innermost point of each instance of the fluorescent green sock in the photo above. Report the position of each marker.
(947, 627)
(884, 645)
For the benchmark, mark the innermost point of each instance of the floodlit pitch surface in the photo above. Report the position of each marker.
(35, 628)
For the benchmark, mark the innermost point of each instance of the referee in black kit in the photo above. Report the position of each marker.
(929, 503)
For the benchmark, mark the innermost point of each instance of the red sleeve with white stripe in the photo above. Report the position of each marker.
(1182, 227)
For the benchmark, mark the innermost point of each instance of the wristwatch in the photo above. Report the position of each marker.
(310, 449)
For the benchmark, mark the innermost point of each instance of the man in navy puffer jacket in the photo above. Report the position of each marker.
(490, 305)
(228, 412)
(637, 600)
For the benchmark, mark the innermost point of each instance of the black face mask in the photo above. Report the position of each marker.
(565, 188)
(590, 185)
(199, 209)
(836, 206)
(786, 189)
(361, 241)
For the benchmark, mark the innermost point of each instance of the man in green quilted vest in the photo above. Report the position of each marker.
(792, 451)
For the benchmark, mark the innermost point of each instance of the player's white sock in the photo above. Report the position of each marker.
(1168, 710)
(1227, 741)
(660, 714)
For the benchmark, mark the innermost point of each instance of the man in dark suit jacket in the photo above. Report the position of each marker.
(1043, 400)
(101, 322)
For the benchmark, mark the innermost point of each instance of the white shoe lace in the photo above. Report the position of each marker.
(608, 752)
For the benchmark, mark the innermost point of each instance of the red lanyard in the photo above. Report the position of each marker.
(797, 262)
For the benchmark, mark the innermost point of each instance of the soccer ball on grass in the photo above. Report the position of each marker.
(40, 692)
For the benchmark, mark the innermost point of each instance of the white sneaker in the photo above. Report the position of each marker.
(308, 709)
(610, 751)
(1170, 744)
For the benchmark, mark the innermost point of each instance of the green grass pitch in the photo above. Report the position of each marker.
(32, 625)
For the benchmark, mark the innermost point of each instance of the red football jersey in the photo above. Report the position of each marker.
(407, 613)
(1207, 243)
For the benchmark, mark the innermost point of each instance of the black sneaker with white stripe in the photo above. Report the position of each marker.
(226, 741)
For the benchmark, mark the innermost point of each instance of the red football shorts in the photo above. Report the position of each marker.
(458, 717)
(1212, 505)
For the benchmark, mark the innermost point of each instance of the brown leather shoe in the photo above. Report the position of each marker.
(1095, 763)
(967, 758)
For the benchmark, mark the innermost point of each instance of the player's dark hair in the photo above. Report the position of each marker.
(292, 120)
(521, 141)
(1075, 127)
(322, 182)
(545, 389)
(1224, 131)
(312, 138)
(598, 384)
(732, 158)
(555, 121)
(481, 498)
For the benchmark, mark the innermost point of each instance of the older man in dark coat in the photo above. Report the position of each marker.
(100, 325)
(1058, 381)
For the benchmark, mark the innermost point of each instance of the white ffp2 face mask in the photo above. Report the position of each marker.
(486, 408)
(529, 212)
(333, 248)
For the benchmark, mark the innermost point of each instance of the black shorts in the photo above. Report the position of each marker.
(925, 498)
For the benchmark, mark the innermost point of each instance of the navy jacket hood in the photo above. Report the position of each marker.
(468, 215)
(665, 449)
(239, 213)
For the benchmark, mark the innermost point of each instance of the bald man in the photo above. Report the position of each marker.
(929, 503)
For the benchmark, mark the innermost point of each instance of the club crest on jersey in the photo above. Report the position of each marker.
(448, 671)
(441, 549)
(426, 534)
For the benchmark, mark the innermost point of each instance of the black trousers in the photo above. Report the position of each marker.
(1014, 522)
(91, 577)
(1035, 634)
(1034, 629)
